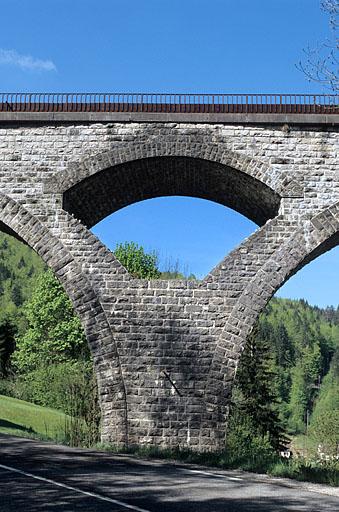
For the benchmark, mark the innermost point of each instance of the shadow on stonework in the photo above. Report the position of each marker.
(180, 365)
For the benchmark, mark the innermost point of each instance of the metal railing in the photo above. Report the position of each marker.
(167, 103)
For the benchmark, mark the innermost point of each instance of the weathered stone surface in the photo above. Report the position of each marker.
(166, 352)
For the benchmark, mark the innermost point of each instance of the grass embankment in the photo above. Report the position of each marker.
(301, 469)
(304, 445)
(25, 419)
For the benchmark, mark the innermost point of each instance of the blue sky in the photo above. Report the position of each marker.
(161, 45)
(170, 46)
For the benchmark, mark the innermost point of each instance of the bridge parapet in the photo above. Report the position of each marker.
(231, 108)
(171, 103)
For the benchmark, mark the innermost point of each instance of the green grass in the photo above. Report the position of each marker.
(306, 446)
(298, 469)
(25, 419)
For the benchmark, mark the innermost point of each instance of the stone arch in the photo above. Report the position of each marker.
(206, 170)
(23, 225)
(313, 238)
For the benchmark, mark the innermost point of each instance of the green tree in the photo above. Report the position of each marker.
(16, 295)
(325, 431)
(139, 263)
(22, 262)
(7, 346)
(305, 376)
(283, 346)
(257, 398)
(54, 334)
(328, 398)
(5, 273)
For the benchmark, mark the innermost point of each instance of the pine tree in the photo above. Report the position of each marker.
(258, 402)
(16, 295)
(284, 348)
(22, 262)
(7, 346)
(305, 376)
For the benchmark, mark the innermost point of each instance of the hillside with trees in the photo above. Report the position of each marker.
(288, 378)
(303, 342)
(19, 269)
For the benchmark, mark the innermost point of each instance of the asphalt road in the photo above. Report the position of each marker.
(36, 476)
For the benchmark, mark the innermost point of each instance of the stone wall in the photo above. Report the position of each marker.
(166, 352)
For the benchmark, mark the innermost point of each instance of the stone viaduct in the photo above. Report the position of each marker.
(166, 352)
